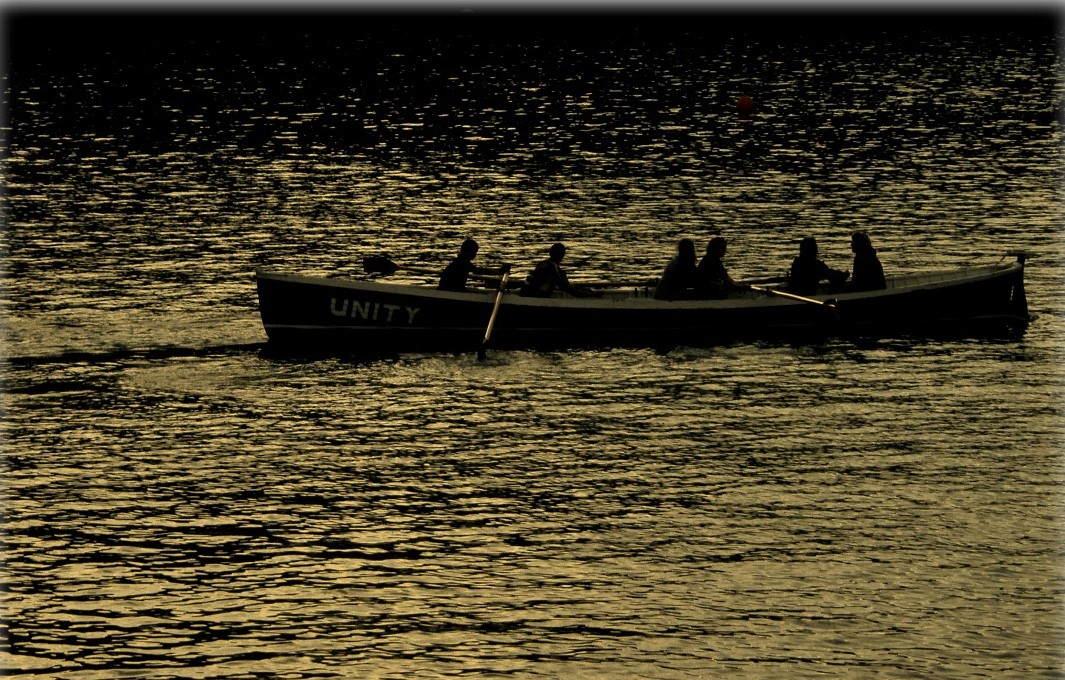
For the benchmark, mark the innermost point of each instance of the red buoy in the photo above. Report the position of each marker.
(745, 105)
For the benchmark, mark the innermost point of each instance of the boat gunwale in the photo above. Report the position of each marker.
(899, 284)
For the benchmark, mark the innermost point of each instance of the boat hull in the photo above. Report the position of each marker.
(354, 316)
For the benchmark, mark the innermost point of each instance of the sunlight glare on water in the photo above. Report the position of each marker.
(183, 502)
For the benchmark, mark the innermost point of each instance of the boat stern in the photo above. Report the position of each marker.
(1018, 297)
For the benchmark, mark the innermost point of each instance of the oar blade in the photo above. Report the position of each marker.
(379, 264)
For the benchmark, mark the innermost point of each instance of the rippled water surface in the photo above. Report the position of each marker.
(181, 502)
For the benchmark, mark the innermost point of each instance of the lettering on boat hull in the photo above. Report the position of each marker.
(382, 312)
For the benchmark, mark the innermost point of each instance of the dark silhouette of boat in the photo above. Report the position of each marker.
(327, 314)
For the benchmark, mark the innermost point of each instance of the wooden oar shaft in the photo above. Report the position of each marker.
(792, 296)
(495, 307)
(495, 313)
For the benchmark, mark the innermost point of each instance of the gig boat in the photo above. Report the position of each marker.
(355, 316)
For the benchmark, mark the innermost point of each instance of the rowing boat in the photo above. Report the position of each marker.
(314, 313)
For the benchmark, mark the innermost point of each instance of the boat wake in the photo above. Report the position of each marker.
(114, 355)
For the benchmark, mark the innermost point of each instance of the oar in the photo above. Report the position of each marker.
(650, 283)
(381, 264)
(495, 312)
(764, 279)
(831, 304)
(641, 283)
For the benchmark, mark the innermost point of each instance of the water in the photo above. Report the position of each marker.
(181, 503)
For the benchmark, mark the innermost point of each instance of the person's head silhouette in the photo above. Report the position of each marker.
(469, 249)
(558, 251)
